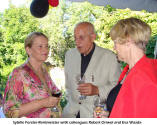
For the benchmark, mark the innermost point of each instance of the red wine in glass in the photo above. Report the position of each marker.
(56, 94)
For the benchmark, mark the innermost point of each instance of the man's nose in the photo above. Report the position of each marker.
(77, 41)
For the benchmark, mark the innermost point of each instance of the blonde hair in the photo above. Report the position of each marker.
(133, 28)
(30, 38)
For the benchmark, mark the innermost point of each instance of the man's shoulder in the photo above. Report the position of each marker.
(72, 51)
(105, 51)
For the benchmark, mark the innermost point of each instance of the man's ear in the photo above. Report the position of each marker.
(93, 36)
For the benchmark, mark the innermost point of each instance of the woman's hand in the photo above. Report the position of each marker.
(50, 101)
(35, 105)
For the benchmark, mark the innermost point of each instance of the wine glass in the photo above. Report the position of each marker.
(100, 108)
(80, 80)
(56, 94)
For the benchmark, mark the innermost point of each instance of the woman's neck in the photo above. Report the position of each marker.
(37, 66)
(134, 56)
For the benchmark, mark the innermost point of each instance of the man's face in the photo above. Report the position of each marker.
(84, 39)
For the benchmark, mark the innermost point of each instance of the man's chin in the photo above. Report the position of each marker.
(79, 50)
(118, 59)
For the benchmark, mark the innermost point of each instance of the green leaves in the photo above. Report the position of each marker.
(16, 24)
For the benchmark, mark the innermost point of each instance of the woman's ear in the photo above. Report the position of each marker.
(129, 41)
(28, 51)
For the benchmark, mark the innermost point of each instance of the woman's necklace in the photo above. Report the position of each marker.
(126, 74)
(42, 81)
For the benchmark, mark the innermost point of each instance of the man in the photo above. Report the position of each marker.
(98, 65)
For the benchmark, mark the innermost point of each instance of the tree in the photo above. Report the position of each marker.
(16, 24)
(60, 22)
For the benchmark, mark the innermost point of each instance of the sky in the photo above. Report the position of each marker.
(5, 3)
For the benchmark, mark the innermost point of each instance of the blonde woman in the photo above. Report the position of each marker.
(29, 87)
(136, 92)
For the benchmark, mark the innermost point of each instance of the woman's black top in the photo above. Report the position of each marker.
(112, 97)
(114, 92)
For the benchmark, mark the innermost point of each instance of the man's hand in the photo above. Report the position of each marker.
(88, 89)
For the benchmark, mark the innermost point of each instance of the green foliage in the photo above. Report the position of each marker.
(63, 19)
(16, 24)
(60, 41)
(151, 46)
(63, 101)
